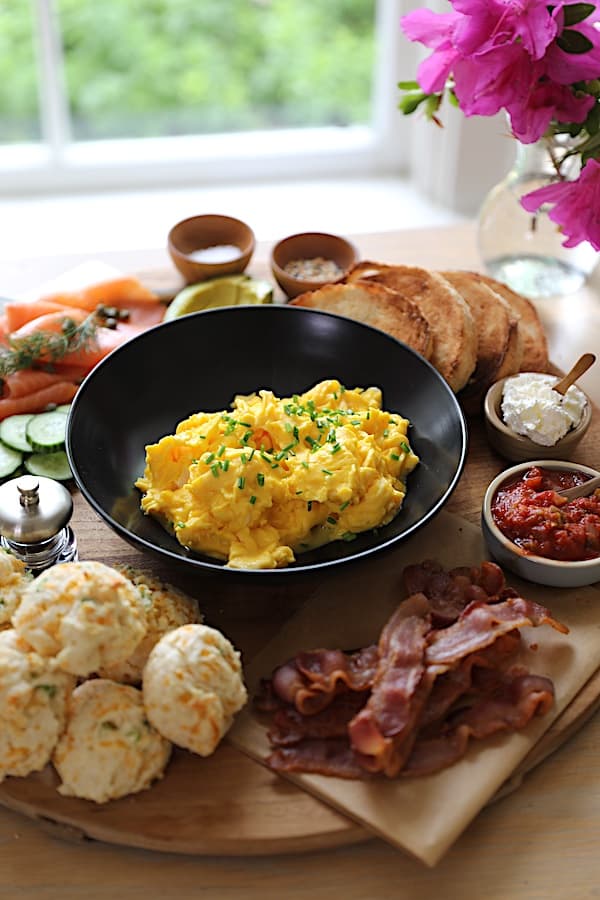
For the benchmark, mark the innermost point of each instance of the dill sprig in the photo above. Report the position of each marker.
(43, 348)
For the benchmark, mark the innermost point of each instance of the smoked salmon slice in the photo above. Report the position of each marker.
(19, 312)
(28, 381)
(61, 392)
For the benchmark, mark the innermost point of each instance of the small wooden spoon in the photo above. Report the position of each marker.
(581, 490)
(581, 366)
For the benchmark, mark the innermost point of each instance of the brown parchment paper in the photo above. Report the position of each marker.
(425, 815)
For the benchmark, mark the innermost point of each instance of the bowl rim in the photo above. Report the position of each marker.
(175, 249)
(493, 398)
(311, 234)
(218, 567)
(488, 519)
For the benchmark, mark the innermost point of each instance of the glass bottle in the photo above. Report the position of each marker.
(525, 250)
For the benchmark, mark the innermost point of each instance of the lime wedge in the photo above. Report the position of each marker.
(232, 290)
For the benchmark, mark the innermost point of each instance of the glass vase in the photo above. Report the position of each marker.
(525, 250)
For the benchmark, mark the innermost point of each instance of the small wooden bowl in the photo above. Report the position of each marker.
(539, 569)
(310, 245)
(517, 447)
(202, 232)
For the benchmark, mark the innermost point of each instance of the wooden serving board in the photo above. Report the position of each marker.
(228, 804)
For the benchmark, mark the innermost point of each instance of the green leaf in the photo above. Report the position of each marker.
(409, 85)
(574, 42)
(453, 99)
(592, 123)
(410, 102)
(577, 12)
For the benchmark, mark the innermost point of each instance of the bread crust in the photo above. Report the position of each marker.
(374, 305)
(499, 347)
(535, 346)
(454, 352)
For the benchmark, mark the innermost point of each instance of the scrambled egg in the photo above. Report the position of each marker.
(279, 476)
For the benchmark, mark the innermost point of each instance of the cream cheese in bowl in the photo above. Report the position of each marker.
(531, 407)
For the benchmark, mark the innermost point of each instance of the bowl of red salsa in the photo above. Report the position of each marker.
(537, 533)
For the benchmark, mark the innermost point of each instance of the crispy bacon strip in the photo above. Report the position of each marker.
(290, 726)
(480, 624)
(313, 678)
(450, 592)
(383, 732)
(522, 697)
(318, 757)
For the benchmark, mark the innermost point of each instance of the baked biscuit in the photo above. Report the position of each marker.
(33, 702)
(85, 614)
(108, 749)
(454, 352)
(166, 608)
(193, 687)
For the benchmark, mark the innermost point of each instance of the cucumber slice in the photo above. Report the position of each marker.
(49, 465)
(10, 461)
(13, 432)
(46, 431)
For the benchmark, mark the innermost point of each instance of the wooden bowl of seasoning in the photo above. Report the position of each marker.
(210, 246)
(307, 261)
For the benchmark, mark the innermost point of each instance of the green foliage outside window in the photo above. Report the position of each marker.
(139, 68)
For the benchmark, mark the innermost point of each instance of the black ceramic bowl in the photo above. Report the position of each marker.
(199, 362)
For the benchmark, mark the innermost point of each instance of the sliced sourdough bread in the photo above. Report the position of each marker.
(374, 305)
(499, 344)
(454, 352)
(535, 346)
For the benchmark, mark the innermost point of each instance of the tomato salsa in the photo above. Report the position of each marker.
(530, 513)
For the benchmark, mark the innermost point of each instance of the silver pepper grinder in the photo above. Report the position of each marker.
(34, 522)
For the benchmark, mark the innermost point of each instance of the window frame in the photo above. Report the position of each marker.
(59, 163)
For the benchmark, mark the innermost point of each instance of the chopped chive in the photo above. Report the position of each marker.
(368, 414)
(245, 424)
(260, 479)
(348, 536)
(209, 458)
(225, 465)
(344, 505)
(274, 465)
(253, 499)
(304, 464)
(309, 505)
(215, 470)
(241, 482)
(394, 456)
(221, 450)
(288, 426)
(326, 472)
(295, 432)
(230, 428)
(180, 525)
(299, 492)
(244, 458)
(194, 462)
(331, 520)
(405, 446)
(246, 437)
(336, 448)
(252, 454)
(264, 456)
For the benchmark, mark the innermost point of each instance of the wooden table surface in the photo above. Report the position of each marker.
(539, 842)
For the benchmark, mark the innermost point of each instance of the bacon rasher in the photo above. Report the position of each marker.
(410, 704)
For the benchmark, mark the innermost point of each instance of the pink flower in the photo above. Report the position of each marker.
(488, 82)
(567, 68)
(540, 103)
(576, 205)
(436, 31)
(492, 23)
